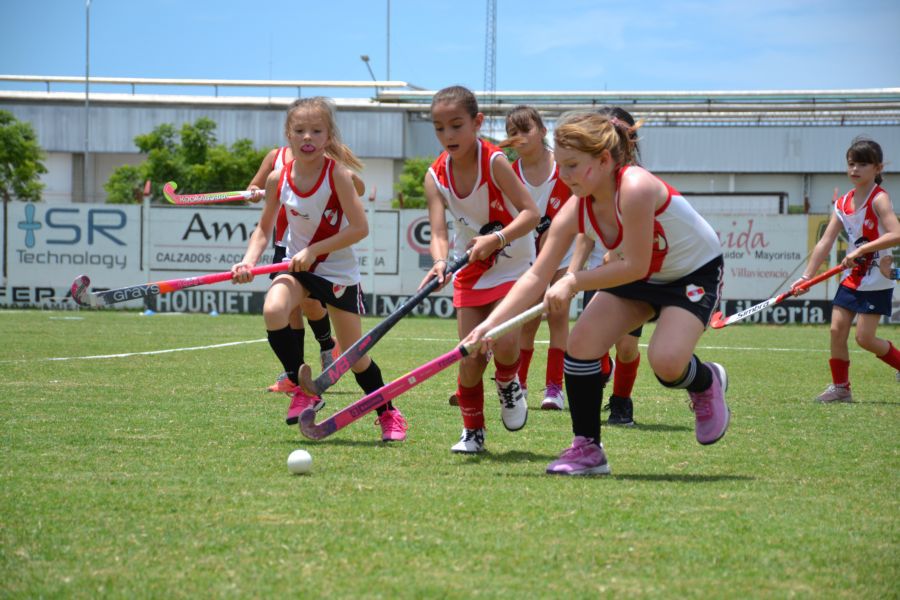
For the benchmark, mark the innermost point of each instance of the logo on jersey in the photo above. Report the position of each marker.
(694, 293)
(869, 224)
(331, 216)
(300, 214)
(497, 205)
(555, 202)
(338, 290)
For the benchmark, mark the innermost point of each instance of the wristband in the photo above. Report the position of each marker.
(501, 237)
(443, 260)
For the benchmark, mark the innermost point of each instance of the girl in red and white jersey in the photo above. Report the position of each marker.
(537, 170)
(666, 265)
(493, 216)
(313, 309)
(324, 219)
(866, 215)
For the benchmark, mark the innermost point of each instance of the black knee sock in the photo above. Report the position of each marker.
(696, 378)
(322, 331)
(584, 387)
(371, 380)
(300, 337)
(284, 344)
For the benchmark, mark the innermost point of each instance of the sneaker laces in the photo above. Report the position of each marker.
(392, 420)
(508, 393)
(553, 389)
(701, 403)
(579, 446)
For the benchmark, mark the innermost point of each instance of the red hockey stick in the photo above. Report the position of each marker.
(82, 296)
(388, 392)
(211, 198)
(719, 321)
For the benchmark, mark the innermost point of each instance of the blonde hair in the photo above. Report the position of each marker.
(593, 133)
(335, 148)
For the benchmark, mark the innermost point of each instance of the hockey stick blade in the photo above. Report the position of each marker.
(200, 199)
(351, 355)
(83, 297)
(718, 320)
(388, 392)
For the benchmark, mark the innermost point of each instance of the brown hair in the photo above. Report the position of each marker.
(866, 151)
(335, 148)
(457, 94)
(522, 118)
(593, 133)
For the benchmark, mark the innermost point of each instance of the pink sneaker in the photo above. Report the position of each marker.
(300, 401)
(282, 385)
(711, 414)
(393, 426)
(583, 457)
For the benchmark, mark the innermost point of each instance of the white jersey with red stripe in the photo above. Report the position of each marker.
(550, 196)
(281, 224)
(485, 209)
(863, 225)
(316, 215)
(682, 240)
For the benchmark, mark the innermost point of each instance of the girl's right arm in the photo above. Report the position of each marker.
(820, 252)
(259, 239)
(583, 247)
(257, 184)
(440, 244)
(529, 288)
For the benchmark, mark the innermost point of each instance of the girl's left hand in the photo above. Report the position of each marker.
(852, 259)
(560, 294)
(482, 247)
(302, 261)
(477, 336)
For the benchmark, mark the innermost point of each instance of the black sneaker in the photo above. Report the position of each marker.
(621, 411)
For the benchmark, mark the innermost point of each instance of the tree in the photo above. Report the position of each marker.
(190, 157)
(21, 160)
(410, 187)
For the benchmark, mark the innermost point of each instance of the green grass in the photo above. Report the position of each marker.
(164, 476)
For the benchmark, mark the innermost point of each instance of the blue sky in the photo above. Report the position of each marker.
(541, 45)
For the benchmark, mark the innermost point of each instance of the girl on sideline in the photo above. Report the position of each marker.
(325, 218)
(866, 214)
(525, 130)
(315, 311)
(667, 265)
(493, 215)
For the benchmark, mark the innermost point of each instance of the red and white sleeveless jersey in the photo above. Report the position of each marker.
(484, 210)
(316, 215)
(281, 223)
(682, 240)
(549, 196)
(862, 225)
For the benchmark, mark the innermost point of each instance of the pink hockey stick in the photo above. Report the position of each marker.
(388, 392)
(83, 297)
(719, 321)
(211, 198)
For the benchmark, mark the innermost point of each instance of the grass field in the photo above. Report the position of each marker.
(163, 475)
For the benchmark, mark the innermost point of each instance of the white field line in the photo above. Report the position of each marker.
(448, 341)
(127, 354)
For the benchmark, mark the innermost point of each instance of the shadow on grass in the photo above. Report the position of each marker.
(640, 426)
(681, 477)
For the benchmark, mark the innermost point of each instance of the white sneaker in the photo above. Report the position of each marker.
(835, 393)
(554, 398)
(470, 442)
(513, 407)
